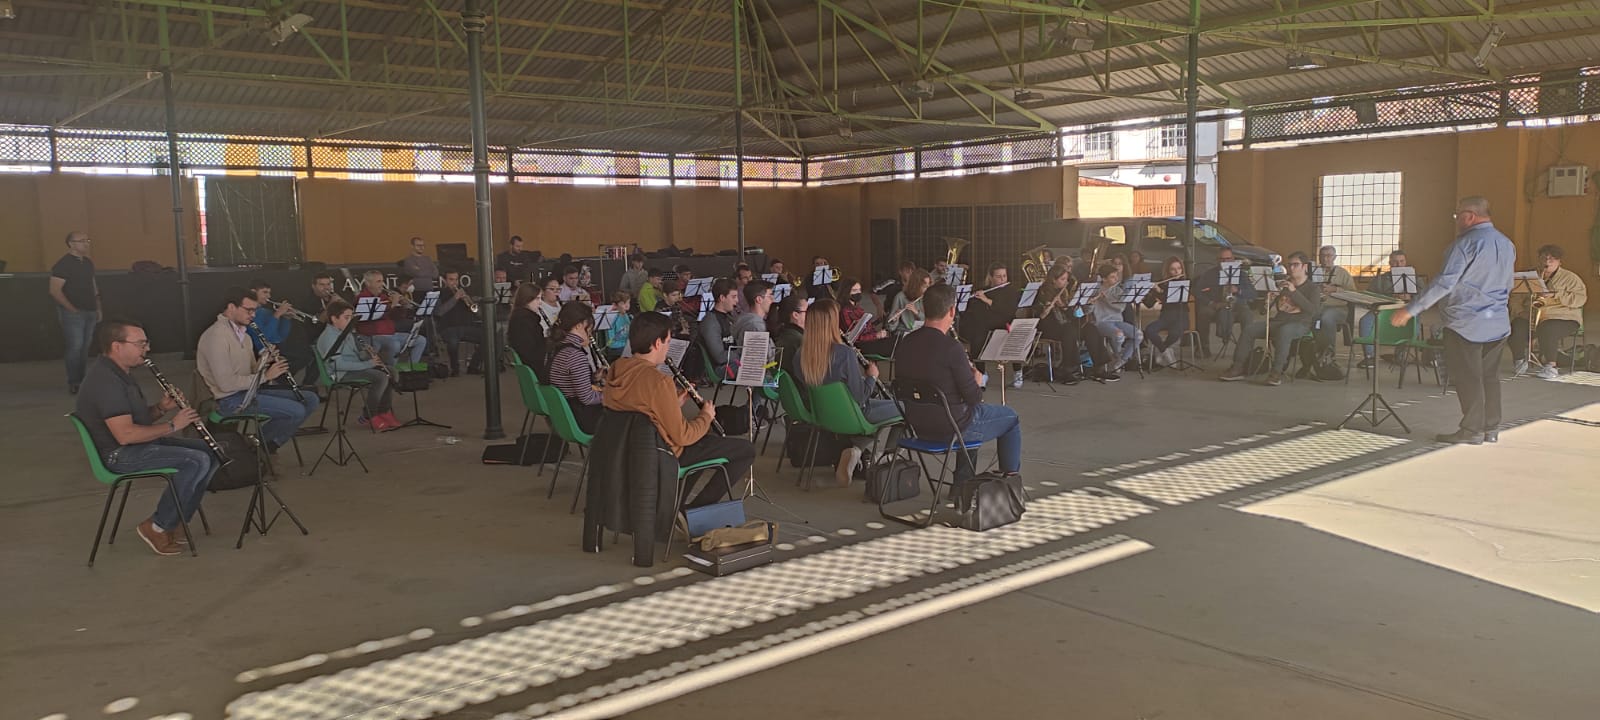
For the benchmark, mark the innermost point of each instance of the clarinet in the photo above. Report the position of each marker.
(276, 354)
(865, 363)
(199, 426)
(684, 384)
(364, 347)
(599, 354)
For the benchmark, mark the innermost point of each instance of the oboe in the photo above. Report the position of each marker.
(199, 425)
(276, 354)
(685, 385)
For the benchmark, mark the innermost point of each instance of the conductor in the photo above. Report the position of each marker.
(1472, 291)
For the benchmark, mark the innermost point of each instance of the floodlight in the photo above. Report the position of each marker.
(7, 12)
(286, 28)
(1301, 61)
(1023, 95)
(1490, 42)
(1074, 35)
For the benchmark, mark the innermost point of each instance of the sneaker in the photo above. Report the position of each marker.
(1107, 376)
(1365, 364)
(1016, 380)
(1548, 372)
(1520, 368)
(158, 540)
(1274, 379)
(849, 458)
(1170, 356)
(1234, 374)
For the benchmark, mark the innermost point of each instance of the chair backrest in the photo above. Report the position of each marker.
(791, 402)
(528, 385)
(560, 414)
(516, 359)
(836, 410)
(96, 466)
(712, 376)
(916, 392)
(1387, 334)
(322, 368)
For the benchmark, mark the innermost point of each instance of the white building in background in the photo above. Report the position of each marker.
(1150, 159)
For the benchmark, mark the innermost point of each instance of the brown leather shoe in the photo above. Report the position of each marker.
(158, 540)
(179, 537)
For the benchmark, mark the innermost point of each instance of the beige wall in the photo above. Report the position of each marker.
(129, 218)
(1095, 201)
(1269, 195)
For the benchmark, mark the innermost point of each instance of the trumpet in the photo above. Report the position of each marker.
(276, 355)
(467, 300)
(688, 387)
(294, 312)
(199, 425)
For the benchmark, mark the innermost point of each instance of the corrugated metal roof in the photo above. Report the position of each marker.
(670, 85)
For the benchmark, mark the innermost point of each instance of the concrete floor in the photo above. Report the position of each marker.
(438, 587)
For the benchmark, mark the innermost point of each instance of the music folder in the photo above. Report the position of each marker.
(676, 347)
(855, 330)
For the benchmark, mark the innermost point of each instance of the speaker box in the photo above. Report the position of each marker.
(1366, 112)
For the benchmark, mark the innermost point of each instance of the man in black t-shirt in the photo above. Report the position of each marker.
(930, 355)
(517, 263)
(130, 436)
(456, 323)
(77, 299)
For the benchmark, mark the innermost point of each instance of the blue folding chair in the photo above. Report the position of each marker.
(925, 450)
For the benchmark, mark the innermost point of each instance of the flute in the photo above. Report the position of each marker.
(199, 425)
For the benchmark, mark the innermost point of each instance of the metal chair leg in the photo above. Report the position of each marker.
(115, 524)
(101, 530)
(178, 503)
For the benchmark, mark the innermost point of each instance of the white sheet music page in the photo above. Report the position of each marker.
(855, 330)
(1261, 278)
(821, 276)
(676, 347)
(1019, 341)
(605, 317)
(753, 360)
(1084, 294)
(1229, 272)
(1030, 293)
(1403, 280)
(963, 296)
(1177, 292)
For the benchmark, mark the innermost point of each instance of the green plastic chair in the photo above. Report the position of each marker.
(795, 412)
(836, 411)
(682, 525)
(1384, 335)
(712, 376)
(533, 406)
(349, 384)
(565, 426)
(125, 480)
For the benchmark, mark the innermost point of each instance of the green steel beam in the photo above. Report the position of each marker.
(538, 43)
(201, 7)
(1417, 21)
(1046, 9)
(449, 27)
(317, 46)
(883, 73)
(841, 12)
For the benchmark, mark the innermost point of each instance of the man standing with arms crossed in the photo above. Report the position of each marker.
(1473, 290)
(77, 299)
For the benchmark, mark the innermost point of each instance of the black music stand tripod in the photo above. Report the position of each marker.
(1368, 409)
(424, 313)
(255, 513)
(345, 450)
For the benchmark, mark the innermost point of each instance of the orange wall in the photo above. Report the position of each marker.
(129, 219)
(1269, 195)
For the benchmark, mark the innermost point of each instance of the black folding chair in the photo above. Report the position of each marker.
(909, 393)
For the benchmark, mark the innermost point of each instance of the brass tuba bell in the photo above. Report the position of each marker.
(1035, 263)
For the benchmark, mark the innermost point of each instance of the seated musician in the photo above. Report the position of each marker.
(617, 335)
(1383, 285)
(570, 288)
(650, 292)
(1220, 304)
(526, 331)
(872, 340)
(687, 304)
(786, 323)
(350, 363)
(635, 277)
(825, 358)
(742, 275)
(1334, 312)
(683, 324)
(322, 292)
(757, 298)
(1559, 311)
(227, 363)
(1168, 329)
(905, 311)
(458, 323)
(775, 267)
(940, 271)
(716, 329)
(988, 310)
(637, 385)
(1295, 307)
(1068, 325)
(130, 435)
(277, 327)
(382, 331)
(1109, 314)
(930, 355)
(570, 365)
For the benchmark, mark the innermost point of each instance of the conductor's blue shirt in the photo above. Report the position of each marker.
(1474, 288)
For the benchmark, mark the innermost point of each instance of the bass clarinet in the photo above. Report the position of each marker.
(199, 425)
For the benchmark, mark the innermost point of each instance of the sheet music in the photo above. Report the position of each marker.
(753, 360)
(429, 301)
(370, 308)
(502, 293)
(697, 286)
(1177, 292)
(855, 330)
(1140, 277)
(1261, 279)
(1404, 280)
(963, 295)
(1533, 280)
(770, 277)
(1011, 345)
(706, 303)
(781, 291)
(822, 276)
(1134, 291)
(605, 317)
(955, 275)
(676, 347)
(1084, 294)
(1030, 293)
(1368, 300)
(1229, 273)
(1322, 275)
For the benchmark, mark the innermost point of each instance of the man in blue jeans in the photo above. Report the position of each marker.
(930, 355)
(130, 435)
(77, 299)
(226, 360)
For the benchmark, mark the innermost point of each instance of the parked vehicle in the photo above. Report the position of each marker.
(1156, 237)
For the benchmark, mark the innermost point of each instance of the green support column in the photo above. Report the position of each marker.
(472, 21)
(1191, 150)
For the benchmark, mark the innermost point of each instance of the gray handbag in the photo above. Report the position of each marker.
(991, 500)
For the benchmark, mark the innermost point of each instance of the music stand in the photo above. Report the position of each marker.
(780, 291)
(754, 352)
(1403, 280)
(255, 513)
(1178, 294)
(963, 296)
(1372, 303)
(425, 313)
(822, 275)
(339, 442)
(1030, 293)
(1013, 345)
(1530, 283)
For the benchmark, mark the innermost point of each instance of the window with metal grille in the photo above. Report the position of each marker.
(1097, 143)
(1359, 213)
(1170, 137)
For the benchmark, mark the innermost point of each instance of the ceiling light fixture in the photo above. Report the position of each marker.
(1490, 42)
(284, 29)
(7, 12)
(1302, 61)
(1075, 35)
(1023, 95)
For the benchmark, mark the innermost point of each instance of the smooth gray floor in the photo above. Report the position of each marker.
(1230, 616)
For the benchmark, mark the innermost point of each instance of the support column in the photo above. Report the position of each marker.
(738, 117)
(177, 210)
(1191, 149)
(472, 21)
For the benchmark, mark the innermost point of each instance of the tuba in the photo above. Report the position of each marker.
(953, 247)
(1099, 247)
(1035, 263)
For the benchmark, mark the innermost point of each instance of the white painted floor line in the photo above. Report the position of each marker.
(1213, 476)
(658, 692)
